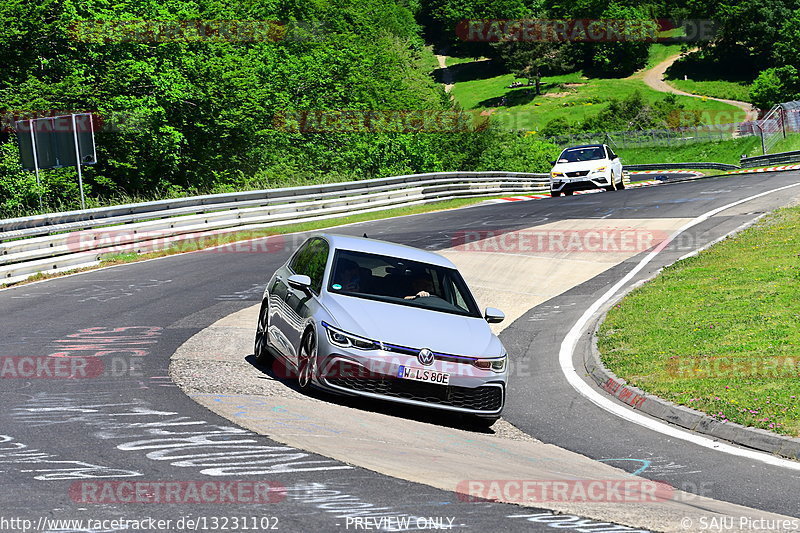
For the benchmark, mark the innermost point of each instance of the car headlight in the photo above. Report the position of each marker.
(348, 340)
(557, 174)
(495, 365)
(601, 169)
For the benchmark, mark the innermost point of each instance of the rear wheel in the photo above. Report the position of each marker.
(307, 361)
(555, 194)
(261, 349)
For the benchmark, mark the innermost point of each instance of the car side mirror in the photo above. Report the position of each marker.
(493, 316)
(299, 281)
(615, 156)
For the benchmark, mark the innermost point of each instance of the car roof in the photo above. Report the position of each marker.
(584, 146)
(376, 246)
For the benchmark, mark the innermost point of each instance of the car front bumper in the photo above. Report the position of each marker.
(374, 374)
(584, 183)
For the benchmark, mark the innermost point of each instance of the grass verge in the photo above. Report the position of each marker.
(192, 245)
(729, 90)
(659, 52)
(720, 332)
(479, 86)
(727, 151)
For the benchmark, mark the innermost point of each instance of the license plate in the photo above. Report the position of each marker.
(424, 375)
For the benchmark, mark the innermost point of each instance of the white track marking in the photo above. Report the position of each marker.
(565, 356)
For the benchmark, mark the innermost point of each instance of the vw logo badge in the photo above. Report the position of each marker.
(425, 357)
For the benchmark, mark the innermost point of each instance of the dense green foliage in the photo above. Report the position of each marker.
(182, 115)
(203, 115)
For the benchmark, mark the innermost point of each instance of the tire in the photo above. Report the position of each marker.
(568, 193)
(621, 184)
(261, 346)
(555, 194)
(613, 186)
(307, 361)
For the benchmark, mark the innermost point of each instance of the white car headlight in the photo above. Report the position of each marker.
(348, 340)
(600, 169)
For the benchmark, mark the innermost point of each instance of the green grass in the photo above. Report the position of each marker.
(720, 332)
(730, 90)
(660, 52)
(728, 151)
(479, 87)
(790, 143)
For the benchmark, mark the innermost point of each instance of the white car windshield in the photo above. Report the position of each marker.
(584, 153)
(401, 281)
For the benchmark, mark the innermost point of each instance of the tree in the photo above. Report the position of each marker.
(628, 54)
(775, 85)
(531, 60)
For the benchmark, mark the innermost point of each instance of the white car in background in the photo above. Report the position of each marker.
(580, 168)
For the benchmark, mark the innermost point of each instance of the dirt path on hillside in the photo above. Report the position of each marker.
(447, 75)
(654, 78)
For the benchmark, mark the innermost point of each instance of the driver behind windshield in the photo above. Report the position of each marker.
(421, 286)
(349, 277)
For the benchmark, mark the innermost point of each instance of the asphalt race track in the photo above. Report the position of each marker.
(58, 437)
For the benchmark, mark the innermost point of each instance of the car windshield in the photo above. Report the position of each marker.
(584, 153)
(402, 282)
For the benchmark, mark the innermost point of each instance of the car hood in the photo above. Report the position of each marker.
(580, 165)
(414, 327)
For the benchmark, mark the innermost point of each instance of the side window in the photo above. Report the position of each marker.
(310, 260)
(299, 263)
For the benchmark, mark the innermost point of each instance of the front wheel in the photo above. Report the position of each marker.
(261, 350)
(307, 361)
(613, 186)
(621, 184)
(555, 194)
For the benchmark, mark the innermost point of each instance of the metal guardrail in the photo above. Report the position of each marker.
(770, 159)
(672, 166)
(63, 241)
(70, 220)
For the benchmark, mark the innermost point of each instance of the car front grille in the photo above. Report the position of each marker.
(484, 398)
(577, 174)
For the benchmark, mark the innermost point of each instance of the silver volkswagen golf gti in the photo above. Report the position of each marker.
(358, 316)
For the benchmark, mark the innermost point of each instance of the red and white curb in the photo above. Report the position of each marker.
(524, 198)
(765, 169)
(685, 172)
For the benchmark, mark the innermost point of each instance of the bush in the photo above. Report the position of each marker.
(512, 152)
(557, 126)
